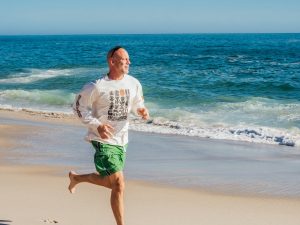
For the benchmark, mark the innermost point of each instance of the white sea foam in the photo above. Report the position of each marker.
(253, 134)
(257, 120)
(33, 75)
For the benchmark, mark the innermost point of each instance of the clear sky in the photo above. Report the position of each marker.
(151, 16)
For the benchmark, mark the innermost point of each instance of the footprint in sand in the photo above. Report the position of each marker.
(50, 221)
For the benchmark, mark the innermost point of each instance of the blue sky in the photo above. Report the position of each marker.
(155, 16)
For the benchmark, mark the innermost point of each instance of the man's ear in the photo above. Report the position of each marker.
(111, 61)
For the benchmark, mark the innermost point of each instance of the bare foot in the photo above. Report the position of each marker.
(73, 182)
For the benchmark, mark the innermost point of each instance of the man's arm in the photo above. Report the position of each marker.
(82, 109)
(138, 106)
(83, 105)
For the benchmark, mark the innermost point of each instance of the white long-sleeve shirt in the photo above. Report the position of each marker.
(107, 101)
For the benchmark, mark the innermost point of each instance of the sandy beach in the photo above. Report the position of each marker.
(32, 194)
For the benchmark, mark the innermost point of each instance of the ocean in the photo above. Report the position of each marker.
(243, 87)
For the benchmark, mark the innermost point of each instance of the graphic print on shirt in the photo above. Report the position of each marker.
(118, 105)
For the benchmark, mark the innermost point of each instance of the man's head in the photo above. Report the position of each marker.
(118, 60)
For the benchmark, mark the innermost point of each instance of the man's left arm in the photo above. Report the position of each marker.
(138, 106)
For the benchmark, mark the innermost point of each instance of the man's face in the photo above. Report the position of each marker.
(121, 61)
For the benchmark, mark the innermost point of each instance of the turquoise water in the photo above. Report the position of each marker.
(224, 86)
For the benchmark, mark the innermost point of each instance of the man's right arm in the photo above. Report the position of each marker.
(82, 106)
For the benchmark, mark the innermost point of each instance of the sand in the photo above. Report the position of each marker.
(33, 194)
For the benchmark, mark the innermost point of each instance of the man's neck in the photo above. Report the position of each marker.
(115, 76)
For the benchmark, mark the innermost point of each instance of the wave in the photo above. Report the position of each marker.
(258, 120)
(176, 55)
(293, 40)
(33, 75)
(37, 99)
(255, 110)
(264, 135)
(253, 134)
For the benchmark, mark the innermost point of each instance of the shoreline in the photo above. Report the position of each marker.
(257, 135)
(41, 116)
(25, 134)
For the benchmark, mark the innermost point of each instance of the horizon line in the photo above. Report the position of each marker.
(184, 33)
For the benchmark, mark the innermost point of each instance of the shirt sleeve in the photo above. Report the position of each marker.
(82, 106)
(138, 101)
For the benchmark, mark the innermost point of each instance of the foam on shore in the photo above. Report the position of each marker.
(250, 134)
(253, 134)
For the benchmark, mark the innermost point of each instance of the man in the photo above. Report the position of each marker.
(104, 106)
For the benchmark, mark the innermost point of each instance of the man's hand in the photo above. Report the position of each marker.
(105, 131)
(143, 112)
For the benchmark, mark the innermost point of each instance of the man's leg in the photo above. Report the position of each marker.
(93, 178)
(117, 196)
(115, 182)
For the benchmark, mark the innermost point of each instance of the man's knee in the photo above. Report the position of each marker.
(118, 184)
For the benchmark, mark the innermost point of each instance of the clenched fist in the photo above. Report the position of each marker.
(105, 131)
(143, 112)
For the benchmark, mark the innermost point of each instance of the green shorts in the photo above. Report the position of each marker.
(108, 158)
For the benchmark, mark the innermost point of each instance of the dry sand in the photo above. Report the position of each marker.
(33, 195)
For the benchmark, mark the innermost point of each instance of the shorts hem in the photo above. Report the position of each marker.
(108, 173)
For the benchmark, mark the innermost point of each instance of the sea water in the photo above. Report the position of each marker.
(222, 86)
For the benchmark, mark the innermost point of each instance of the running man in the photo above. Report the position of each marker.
(104, 107)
